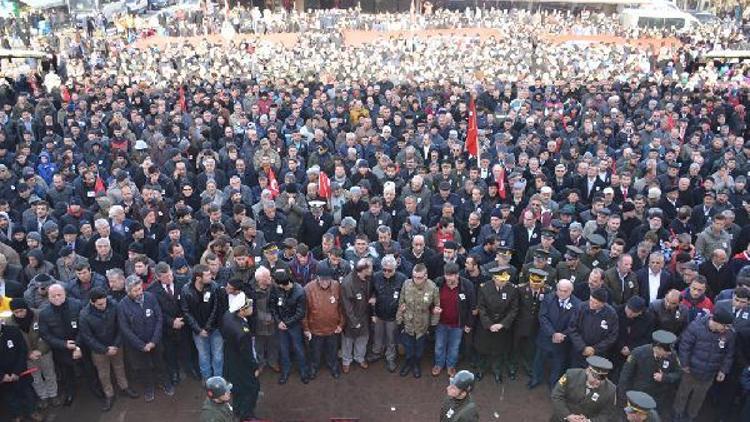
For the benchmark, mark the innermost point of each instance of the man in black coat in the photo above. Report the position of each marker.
(174, 334)
(315, 223)
(58, 326)
(653, 280)
(140, 320)
(15, 388)
(100, 333)
(593, 331)
(241, 365)
(635, 325)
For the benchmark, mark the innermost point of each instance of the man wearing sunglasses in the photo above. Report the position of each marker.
(585, 394)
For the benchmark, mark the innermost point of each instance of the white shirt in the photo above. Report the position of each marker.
(654, 281)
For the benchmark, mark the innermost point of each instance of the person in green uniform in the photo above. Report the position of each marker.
(526, 326)
(458, 405)
(239, 356)
(216, 408)
(640, 408)
(653, 369)
(498, 307)
(571, 267)
(585, 395)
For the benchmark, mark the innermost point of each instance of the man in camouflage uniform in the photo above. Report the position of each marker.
(418, 309)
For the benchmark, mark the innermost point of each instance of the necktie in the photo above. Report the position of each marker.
(562, 303)
(171, 290)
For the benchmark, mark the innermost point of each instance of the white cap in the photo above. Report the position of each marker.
(237, 302)
(141, 144)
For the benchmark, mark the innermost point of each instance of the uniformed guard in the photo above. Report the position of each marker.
(571, 267)
(595, 256)
(652, 368)
(640, 407)
(502, 260)
(540, 262)
(458, 406)
(498, 307)
(216, 408)
(239, 356)
(585, 394)
(546, 244)
(526, 325)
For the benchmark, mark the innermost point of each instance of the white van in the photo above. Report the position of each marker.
(657, 17)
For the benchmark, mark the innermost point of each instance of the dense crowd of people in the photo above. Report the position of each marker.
(205, 210)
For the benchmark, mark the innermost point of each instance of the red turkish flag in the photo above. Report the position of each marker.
(273, 185)
(472, 141)
(324, 185)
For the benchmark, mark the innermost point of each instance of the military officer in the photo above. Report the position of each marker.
(571, 267)
(585, 394)
(640, 407)
(546, 244)
(593, 331)
(216, 408)
(498, 307)
(652, 368)
(502, 260)
(540, 262)
(458, 406)
(595, 256)
(526, 325)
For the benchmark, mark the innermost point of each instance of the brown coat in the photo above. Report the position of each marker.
(324, 311)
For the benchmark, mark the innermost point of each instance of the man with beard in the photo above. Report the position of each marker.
(140, 321)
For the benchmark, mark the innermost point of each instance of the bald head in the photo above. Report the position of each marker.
(56, 294)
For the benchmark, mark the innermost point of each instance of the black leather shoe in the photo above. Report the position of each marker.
(405, 369)
(336, 374)
(97, 392)
(391, 366)
(305, 379)
(130, 393)
(479, 375)
(532, 384)
(498, 379)
(108, 401)
(373, 358)
(283, 379)
(417, 371)
(68, 400)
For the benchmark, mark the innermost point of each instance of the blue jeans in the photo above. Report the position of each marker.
(414, 347)
(210, 354)
(290, 341)
(447, 346)
(557, 360)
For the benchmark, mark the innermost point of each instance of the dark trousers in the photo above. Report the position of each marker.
(325, 347)
(245, 397)
(414, 348)
(178, 352)
(66, 372)
(557, 361)
(147, 366)
(18, 397)
(290, 341)
(524, 348)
